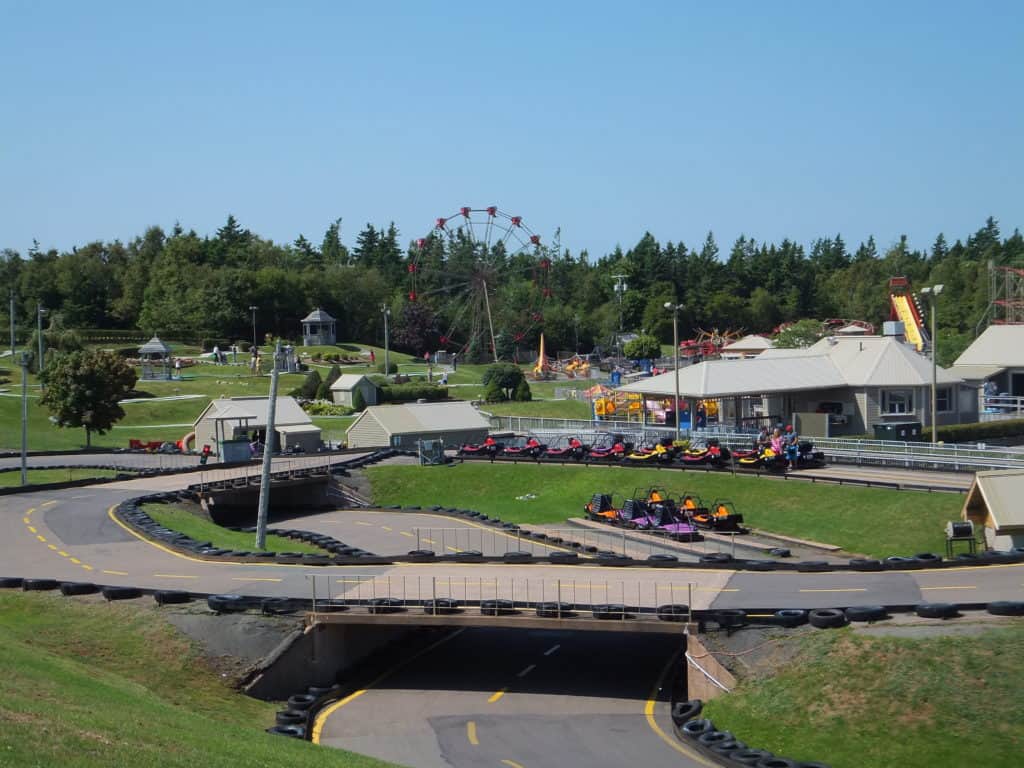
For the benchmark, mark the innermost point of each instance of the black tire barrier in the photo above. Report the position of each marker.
(866, 613)
(278, 606)
(730, 618)
(711, 738)
(78, 588)
(662, 559)
(329, 606)
(937, 611)
(776, 762)
(171, 597)
(422, 554)
(900, 563)
(697, 728)
(758, 565)
(385, 605)
(682, 711)
(780, 552)
(293, 731)
(11, 582)
(713, 558)
(121, 593)
(927, 559)
(814, 764)
(814, 566)
(497, 607)
(555, 610)
(749, 756)
(322, 690)
(827, 618)
(725, 748)
(517, 557)
(673, 612)
(866, 564)
(300, 702)
(563, 557)
(470, 555)
(39, 585)
(227, 603)
(609, 611)
(1006, 608)
(291, 717)
(791, 617)
(441, 605)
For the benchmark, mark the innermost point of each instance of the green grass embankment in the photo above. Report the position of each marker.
(871, 521)
(855, 701)
(185, 521)
(43, 476)
(106, 686)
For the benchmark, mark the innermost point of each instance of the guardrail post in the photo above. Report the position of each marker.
(559, 599)
(689, 603)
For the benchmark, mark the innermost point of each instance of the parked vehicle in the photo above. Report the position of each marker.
(720, 516)
(566, 447)
(524, 446)
(670, 517)
(609, 447)
(489, 447)
(764, 458)
(711, 453)
(659, 453)
(601, 507)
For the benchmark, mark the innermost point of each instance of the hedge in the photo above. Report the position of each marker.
(406, 393)
(980, 431)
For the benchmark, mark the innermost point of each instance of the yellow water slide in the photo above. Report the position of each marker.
(906, 314)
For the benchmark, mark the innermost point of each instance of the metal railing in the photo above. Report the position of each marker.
(628, 598)
(912, 455)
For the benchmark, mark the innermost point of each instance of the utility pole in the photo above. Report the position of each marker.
(675, 342)
(269, 443)
(24, 418)
(40, 311)
(13, 339)
(253, 308)
(933, 293)
(620, 288)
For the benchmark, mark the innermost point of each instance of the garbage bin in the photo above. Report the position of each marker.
(907, 431)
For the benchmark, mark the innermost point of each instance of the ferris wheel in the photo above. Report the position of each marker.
(486, 274)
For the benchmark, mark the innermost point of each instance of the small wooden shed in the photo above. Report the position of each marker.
(345, 386)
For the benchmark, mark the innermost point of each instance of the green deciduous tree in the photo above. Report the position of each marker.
(503, 376)
(84, 389)
(644, 347)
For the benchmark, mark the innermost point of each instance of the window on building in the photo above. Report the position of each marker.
(944, 399)
(897, 401)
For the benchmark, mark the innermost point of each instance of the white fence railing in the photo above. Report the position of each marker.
(943, 456)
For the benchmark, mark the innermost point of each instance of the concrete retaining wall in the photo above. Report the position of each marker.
(700, 667)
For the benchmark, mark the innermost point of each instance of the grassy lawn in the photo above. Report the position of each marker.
(41, 476)
(871, 521)
(98, 686)
(181, 519)
(874, 702)
(552, 409)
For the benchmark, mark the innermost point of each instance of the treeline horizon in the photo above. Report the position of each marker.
(179, 284)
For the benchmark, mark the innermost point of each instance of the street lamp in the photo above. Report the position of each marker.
(932, 292)
(386, 311)
(40, 311)
(674, 309)
(620, 289)
(253, 308)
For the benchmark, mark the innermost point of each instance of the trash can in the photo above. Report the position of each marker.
(907, 431)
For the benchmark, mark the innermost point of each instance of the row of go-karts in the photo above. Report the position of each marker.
(613, 447)
(656, 511)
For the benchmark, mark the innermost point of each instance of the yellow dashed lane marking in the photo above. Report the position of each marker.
(62, 553)
(252, 578)
(406, 533)
(116, 573)
(47, 503)
(471, 733)
(76, 561)
(52, 546)
(41, 538)
(852, 589)
(496, 695)
(361, 522)
(87, 567)
(33, 529)
(25, 520)
(925, 589)
(387, 527)
(173, 576)
(511, 764)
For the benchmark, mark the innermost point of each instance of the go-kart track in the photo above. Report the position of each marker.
(480, 695)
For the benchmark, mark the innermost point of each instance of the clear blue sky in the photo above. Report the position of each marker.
(606, 119)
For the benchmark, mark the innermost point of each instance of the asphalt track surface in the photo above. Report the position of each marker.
(524, 699)
(485, 697)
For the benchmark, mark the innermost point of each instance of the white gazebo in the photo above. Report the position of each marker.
(318, 329)
(156, 360)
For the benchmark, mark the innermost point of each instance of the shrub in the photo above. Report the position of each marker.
(406, 393)
(503, 376)
(494, 393)
(326, 409)
(333, 375)
(643, 347)
(979, 431)
(323, 392)
(309, 388)
(392, 368)
(358, 401)
(522, 393)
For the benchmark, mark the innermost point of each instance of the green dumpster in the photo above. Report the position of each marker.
(905, 431)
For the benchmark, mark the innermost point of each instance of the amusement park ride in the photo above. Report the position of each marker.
(466, 260)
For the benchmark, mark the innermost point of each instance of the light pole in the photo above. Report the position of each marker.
(620, 288)
(24, 417)
(933, 292)
(253, 308)
(386, 311)
(269, 445)
(40, 311)
(675, 345)
(13, 339)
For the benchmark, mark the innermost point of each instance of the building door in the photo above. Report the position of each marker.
(1017, 384)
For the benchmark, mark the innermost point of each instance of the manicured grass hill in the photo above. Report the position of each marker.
(42, 476)
(92, 685)
(869, 521)
(855, 701)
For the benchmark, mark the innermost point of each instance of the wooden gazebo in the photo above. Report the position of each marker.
(156, 360)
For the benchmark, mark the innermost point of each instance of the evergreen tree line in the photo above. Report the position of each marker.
(184, 286)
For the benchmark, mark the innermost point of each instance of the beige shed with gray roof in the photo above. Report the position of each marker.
(994, 504)
(403, 426)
